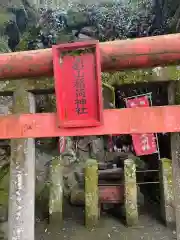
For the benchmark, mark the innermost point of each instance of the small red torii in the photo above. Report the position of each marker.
(117, 55)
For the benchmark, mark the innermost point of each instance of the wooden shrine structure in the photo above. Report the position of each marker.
(24, 124)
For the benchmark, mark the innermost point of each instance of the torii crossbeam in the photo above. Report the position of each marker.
(117, 55)
(123, 121)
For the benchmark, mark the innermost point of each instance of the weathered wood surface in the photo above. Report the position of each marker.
(46, 84)
(115, 56)
(123, 121)
(91, 194)
(106, 174)
(173, 94)
(22, 175)
(130, 193)
(56, 191)
(167, 193)
(40, 84)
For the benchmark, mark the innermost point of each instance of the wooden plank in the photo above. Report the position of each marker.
(123, 121)
(173, 92)
(22, 176)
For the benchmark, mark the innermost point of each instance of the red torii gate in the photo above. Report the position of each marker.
(117, 55)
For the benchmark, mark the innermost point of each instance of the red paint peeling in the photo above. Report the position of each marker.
(137, 53)
(123, 121)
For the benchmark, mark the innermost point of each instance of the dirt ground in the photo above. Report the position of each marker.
(109, 227)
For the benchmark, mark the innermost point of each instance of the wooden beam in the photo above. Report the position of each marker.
(22, 176)
(34, 85)
(115, 56)
(123, 121)
(43, 85)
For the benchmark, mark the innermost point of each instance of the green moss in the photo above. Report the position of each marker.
(130, 192)
(91, 193)
(109, 92)
(64, 36)
(167, 166)
(30, 35)
(167, 196)
(4, 188)
(4, 46)
(4, 171)
(142, 75)
(21, 102)
(5, 16)
(75, 18)
(56, 191)
(31, 84)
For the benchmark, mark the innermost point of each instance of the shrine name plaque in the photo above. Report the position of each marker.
(78, 87)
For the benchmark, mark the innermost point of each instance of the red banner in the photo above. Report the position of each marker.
(144, 144)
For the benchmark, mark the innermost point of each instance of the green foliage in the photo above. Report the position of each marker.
(29, 35)
(23, 44)
(4, 46)
(4, 186)
(64, 36)
(127, 77)
(5, 16)
(140, 164)
(75, 18)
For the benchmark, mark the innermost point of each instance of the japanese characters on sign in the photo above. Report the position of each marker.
(144, 144)
(79, 84)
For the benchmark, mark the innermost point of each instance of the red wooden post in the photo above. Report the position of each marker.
(117, 55)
